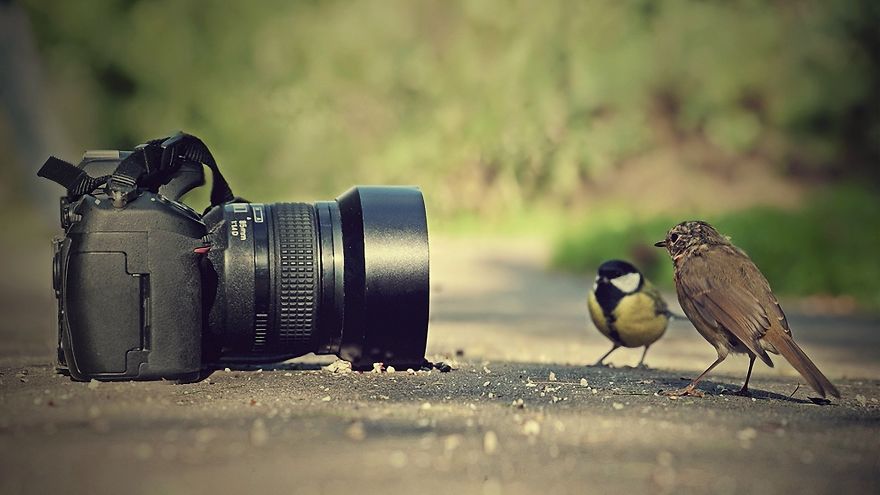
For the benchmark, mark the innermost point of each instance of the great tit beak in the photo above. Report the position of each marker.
(660, 244)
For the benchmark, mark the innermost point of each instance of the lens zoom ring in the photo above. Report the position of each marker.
(296, 272)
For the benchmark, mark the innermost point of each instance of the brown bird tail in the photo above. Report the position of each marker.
(799, 361)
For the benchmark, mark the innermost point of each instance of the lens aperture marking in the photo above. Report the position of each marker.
(261, 328)
(262, 284)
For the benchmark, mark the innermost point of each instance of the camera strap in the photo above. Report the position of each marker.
(150, 166)
(74, 179)
(154, 164)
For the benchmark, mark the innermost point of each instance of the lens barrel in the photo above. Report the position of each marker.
(347, 277)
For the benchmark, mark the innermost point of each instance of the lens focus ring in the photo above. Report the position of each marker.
(296, 272)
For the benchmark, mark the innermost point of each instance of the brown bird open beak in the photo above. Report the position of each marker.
(660, 243)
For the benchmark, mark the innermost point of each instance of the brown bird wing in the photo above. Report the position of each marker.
(725, 295)
(725, 287)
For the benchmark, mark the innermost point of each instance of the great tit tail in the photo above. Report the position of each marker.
(676, 316)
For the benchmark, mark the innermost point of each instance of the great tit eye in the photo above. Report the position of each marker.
(673, 237)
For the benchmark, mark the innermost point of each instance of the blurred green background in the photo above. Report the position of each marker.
(594, 124)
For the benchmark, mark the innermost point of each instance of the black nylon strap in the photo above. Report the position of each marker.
(72, 178)
(154, 164)
(129, 171)
(193, 149)
(149, 166)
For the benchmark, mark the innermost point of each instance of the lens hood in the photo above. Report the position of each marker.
(386, 275)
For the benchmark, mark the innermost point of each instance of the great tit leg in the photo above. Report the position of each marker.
(613, 348)
(744, 391)
(691, 389)
(642, 361)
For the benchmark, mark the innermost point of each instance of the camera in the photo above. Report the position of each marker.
(149, 289)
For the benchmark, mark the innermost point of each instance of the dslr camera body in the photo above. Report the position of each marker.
(149, 289)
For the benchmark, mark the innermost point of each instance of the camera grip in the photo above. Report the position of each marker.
(132, 299)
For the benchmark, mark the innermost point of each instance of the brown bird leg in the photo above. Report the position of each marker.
(642, 361)
(691, 389)
(599, 362)
(744, 391)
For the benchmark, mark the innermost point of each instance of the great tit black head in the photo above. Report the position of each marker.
(621, 276)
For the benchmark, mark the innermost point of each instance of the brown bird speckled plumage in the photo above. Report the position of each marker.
(730, 303)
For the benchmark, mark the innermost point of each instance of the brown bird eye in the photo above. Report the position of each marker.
(673, 237)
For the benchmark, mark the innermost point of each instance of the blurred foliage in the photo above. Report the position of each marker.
(492, 106)
(512, 111)
(828, 248)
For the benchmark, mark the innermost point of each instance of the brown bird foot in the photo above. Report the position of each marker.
(688, 391)
(743, 392)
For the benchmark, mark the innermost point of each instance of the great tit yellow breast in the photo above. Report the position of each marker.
(638, 321)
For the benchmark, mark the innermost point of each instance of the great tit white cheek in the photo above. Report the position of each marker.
(628, 283)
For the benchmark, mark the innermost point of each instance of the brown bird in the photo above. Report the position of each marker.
(730, 303)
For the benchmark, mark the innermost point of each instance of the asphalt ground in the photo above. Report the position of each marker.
(520, 413)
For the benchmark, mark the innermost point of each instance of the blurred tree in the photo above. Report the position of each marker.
(491, 105)
(25, 120)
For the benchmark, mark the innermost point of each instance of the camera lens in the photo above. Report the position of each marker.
(346, 277)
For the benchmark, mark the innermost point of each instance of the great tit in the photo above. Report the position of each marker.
(626, 308)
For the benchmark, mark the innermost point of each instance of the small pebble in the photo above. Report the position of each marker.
(490, 442)
(259, 435)
(664, 458)
(584, 382)
(451, 442)
(531, 428)
(443, 367)
(552, 377)
(808, 457)
(356, 431)
(143, 451)
(747, 434)
(397, 459)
